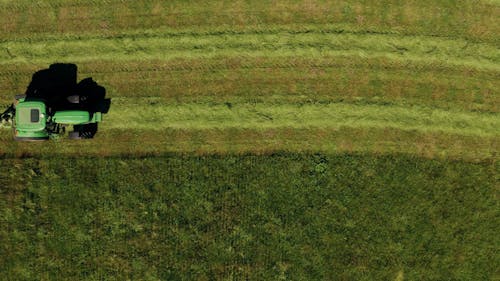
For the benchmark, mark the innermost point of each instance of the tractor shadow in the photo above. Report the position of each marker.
(58, 87)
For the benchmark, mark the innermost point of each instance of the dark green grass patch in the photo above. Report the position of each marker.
(268, 217)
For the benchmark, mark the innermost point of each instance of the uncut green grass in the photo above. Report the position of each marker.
(282, 216)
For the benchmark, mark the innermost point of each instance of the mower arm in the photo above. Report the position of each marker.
(8, 114)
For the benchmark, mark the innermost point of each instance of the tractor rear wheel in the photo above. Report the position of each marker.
(86, 131)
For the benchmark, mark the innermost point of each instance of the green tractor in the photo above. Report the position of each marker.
(52, 104)
(31, 121)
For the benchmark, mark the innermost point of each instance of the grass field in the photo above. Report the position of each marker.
(282, 216)
(259, 140)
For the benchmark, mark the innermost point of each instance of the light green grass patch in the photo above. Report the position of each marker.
(151, 114)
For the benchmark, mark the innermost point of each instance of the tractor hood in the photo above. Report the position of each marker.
(71, 117)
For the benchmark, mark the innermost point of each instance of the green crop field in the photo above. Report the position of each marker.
(258, 140)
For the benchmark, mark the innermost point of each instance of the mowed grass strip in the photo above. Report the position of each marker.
(458, 19)
(153, 115)
(149, 114)
(315, 44)
(217, 141)
(283, 80)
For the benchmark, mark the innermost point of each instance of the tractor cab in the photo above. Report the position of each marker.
(31, 120)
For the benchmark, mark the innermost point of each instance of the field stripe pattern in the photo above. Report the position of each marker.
(319, 66)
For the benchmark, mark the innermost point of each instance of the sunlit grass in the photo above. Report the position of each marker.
(149, 114)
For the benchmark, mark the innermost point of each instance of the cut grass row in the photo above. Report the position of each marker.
(455, 52)
(149, 114)
(268, 217)
(457, 19)
(124, 143)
